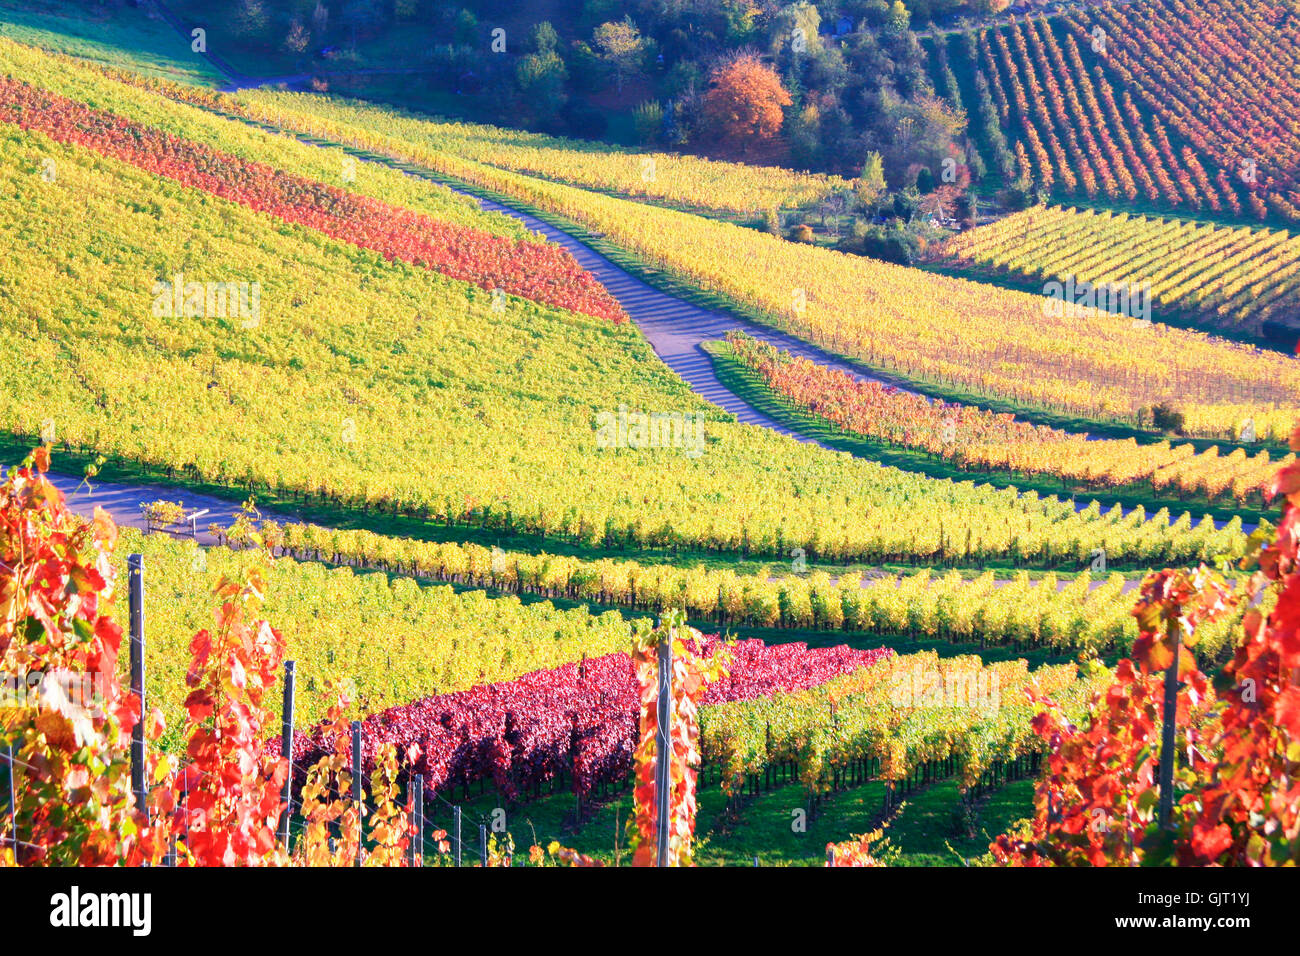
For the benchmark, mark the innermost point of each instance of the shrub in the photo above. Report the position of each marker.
(1166, 418)
(772, 220)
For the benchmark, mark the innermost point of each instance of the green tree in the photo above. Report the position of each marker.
(803, 132)
(251, 19)
(649, 121)
(898, 20)
(917, 132)
(541, 78)
(544, 38)
(465, 28)
(360, 16)
(796, 28)
(871, 184)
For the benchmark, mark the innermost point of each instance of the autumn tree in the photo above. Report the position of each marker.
(296, 40)
(620, 45)
(70, 731)
(1235, 801)
(744, 101)
(60, 642)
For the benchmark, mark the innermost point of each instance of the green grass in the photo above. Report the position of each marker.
(749, 385)
(931, 831)
(124, 38)
(767, 825)
(764, 827)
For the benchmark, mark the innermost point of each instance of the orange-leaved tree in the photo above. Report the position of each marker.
(869, 849)
(744, 102)
(1248, 812)
(326, 806)
(689, 674)
(231, 790)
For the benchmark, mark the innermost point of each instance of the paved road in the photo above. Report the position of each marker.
(677, 330)
(123, 501)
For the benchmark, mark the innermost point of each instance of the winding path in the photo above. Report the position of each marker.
(123, 501)
(677, 329)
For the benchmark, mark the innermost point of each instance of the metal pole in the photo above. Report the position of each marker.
(356, 782)
(169, 858)
(1167, 746)
(412, 826)
(455, 815)
(13, 799)
(185, 799)
(286, 750)
(663, 760)
(417, 822)
(482, 845)
(135, 611)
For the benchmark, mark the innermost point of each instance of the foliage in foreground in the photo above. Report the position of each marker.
(221, 805)
(1239, 789)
